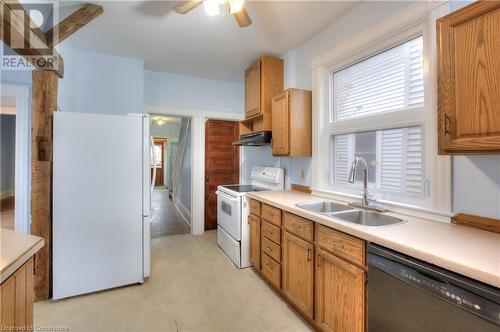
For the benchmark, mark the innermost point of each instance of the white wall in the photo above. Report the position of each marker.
(177, 91)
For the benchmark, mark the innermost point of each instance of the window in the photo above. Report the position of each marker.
(394, 158)
(375, 97)
(389, 81)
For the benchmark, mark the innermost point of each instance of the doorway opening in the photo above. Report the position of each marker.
(171, 170)
(7, 162)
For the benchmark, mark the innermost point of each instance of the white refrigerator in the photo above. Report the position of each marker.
(101, 202)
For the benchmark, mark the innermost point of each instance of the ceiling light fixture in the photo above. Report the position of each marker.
(222, 7)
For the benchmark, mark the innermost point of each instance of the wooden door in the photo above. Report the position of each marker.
(159, 153)
(254, 223)
(252, 90)
(298, 272)
(339, 294)
(469, 80)
(222, 163)
(281, 125)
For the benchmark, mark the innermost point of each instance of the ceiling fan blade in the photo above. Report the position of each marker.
(187, 5)
(243, 18)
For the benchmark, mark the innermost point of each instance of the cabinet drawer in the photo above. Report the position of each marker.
(342, 245)
(271, 248)
(271, 214)
(272, 232)
(271, 270)
(255, 207)
(298, 226)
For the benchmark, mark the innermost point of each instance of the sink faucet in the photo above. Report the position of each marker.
(365, 202)
(352, 177)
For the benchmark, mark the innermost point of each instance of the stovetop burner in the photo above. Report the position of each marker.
(244, 188)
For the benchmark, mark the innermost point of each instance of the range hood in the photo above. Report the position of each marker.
(255, 139)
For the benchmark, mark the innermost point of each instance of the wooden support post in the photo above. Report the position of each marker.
(44, 104)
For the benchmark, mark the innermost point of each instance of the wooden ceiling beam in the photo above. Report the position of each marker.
(73, 23)
(35, 48)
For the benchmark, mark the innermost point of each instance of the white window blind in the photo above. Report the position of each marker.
(389, 81)
(343, 157)
(398, 165)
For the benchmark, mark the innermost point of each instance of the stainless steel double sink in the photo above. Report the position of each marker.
(346, 213)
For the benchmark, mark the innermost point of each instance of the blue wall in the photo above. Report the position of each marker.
(108, 84)
(177, 91)
(7, 153)
(100, 83)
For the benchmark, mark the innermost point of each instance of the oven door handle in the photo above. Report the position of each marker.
(226, 196)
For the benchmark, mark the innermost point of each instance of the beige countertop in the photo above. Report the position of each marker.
(15, 249)
(471, 252)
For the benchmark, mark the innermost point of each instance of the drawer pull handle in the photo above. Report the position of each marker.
(309, 254)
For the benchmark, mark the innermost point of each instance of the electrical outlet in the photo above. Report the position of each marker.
(302, 174)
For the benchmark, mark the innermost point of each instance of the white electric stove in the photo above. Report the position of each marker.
(233, 210)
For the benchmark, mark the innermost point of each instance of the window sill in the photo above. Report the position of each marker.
(400, 208)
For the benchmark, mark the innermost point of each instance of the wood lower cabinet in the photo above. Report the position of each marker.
(254, 223)
(16, 300)
(319, 271)
(340, 294)
(298, 273)
(469, 80)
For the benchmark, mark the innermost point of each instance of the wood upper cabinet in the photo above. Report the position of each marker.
(339, 294)
(254, 223)
(292, 123)
(469, 80)
(252, 90)
(263, 80)
(298, 273)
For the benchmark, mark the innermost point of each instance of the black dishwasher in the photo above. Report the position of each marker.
(408, 295)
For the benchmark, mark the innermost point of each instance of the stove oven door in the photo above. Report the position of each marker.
(229, 214)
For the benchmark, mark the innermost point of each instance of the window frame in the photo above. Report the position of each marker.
(416, 20)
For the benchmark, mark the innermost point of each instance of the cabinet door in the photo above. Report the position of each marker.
(298, 273)
(340, 294)
(254, 223)
(469, 80)
(281, 125)
(252, 90)
(16, 299)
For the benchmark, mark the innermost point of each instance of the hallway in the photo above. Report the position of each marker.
(166, 220)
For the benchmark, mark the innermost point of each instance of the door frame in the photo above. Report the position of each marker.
(22, 94)
(198, 118)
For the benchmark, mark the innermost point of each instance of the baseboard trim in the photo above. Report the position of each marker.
(184, 212)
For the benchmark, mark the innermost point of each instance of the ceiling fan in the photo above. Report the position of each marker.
(218, 7)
